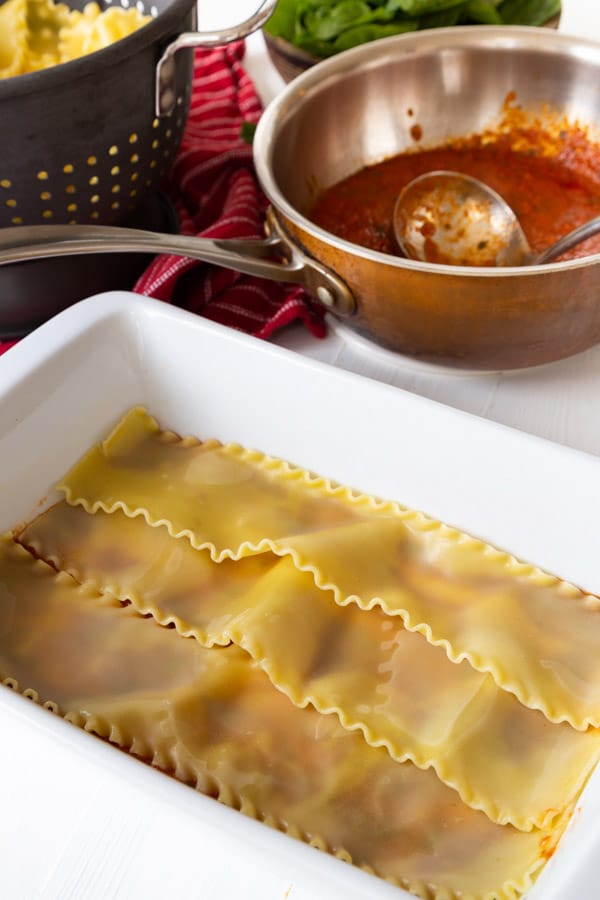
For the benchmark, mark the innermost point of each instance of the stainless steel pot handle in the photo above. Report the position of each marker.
(165, 96)
(273, 257)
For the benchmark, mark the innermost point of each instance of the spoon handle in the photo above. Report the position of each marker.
(587, 230)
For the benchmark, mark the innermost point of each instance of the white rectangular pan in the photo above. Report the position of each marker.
(79, 819)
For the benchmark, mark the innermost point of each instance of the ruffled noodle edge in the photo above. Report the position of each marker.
(216, 789)
(471, 798)
(501, 678)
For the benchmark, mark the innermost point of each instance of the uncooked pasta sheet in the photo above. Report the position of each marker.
(400, 691)
(505, 617)
(346, 670)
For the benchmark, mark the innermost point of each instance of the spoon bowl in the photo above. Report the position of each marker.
(448, 218)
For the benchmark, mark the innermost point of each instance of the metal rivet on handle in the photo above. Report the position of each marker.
(326, 297)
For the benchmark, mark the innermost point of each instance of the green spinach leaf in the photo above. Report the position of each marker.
(325, 27)
(353, 37)
(528, 12)
(482, 12)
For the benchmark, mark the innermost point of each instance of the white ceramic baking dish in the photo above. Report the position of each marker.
(79, 819)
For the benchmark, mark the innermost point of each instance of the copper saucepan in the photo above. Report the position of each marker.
(358, 108)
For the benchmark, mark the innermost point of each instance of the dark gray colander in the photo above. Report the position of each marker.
(88, 141)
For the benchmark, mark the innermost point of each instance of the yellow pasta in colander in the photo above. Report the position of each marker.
(37, 34)
(13, 37)
(92, 30)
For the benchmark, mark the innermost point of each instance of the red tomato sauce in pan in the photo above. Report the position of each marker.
(551, 194)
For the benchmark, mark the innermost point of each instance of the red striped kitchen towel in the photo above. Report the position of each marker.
(216, 194)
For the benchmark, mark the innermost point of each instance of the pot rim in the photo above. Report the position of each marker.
(377, 53)
(165, 23)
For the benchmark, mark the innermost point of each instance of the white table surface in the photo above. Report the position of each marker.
(556, 401)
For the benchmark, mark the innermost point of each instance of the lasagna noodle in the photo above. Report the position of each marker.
(505, 617)
(211, 717)
(389, 683)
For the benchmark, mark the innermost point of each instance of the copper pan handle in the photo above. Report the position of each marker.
(273, 257)
(165, 97)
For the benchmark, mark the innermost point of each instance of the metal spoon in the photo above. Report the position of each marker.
(450, 218)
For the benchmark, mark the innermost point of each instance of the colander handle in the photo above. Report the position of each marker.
(273, 257)
(166, 99)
